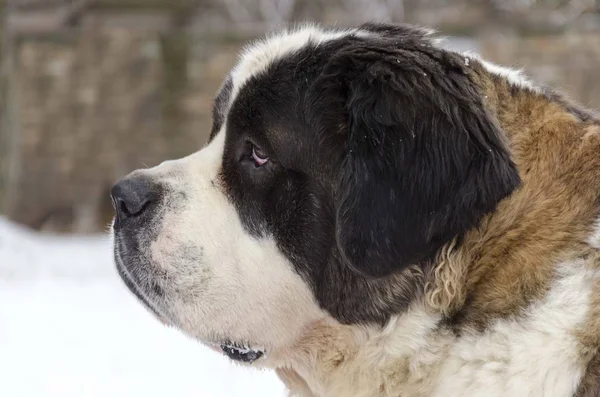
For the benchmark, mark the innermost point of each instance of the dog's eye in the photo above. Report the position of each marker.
(259, 157)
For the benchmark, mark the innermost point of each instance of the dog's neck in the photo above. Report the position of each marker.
(331, 358)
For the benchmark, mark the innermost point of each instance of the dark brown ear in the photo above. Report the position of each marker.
(425, 161)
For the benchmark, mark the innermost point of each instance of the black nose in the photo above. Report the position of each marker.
(131, 196)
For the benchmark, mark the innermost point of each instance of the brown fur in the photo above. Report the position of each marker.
(590, 384)
(508, 261)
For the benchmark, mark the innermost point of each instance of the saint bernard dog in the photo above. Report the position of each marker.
(376, 215)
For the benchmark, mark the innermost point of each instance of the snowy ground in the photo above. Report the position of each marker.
(69, 328)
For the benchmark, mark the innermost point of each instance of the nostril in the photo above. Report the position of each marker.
(131, 197)
(123, 208)
(132, 208)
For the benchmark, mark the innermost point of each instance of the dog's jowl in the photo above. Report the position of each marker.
(375, 215)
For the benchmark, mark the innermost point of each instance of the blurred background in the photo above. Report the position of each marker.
(92, 89)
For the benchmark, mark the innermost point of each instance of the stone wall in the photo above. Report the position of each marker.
(92, 107)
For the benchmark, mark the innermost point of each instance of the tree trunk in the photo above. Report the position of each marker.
(10, 154)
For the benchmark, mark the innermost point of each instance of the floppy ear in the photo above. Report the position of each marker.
(424, 159)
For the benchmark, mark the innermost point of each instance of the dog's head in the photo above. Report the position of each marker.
(339, 163)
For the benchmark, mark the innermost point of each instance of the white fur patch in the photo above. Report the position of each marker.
(514, 77)
(257, 57)
(536, 354)
(594, 239)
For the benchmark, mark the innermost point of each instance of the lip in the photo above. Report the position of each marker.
(131, 283)
(239, 353)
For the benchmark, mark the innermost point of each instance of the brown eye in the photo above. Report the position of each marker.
(259, 157)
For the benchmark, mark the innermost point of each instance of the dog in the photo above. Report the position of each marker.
(377, 215)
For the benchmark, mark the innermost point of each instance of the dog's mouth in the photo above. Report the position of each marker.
(241, 353)
(144, 295)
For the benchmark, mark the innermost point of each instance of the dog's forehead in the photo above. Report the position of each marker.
(258, 56)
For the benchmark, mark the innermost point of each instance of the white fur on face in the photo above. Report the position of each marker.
(257, 57)
(222, 284)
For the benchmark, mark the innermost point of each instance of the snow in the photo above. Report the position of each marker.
(68, 327)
